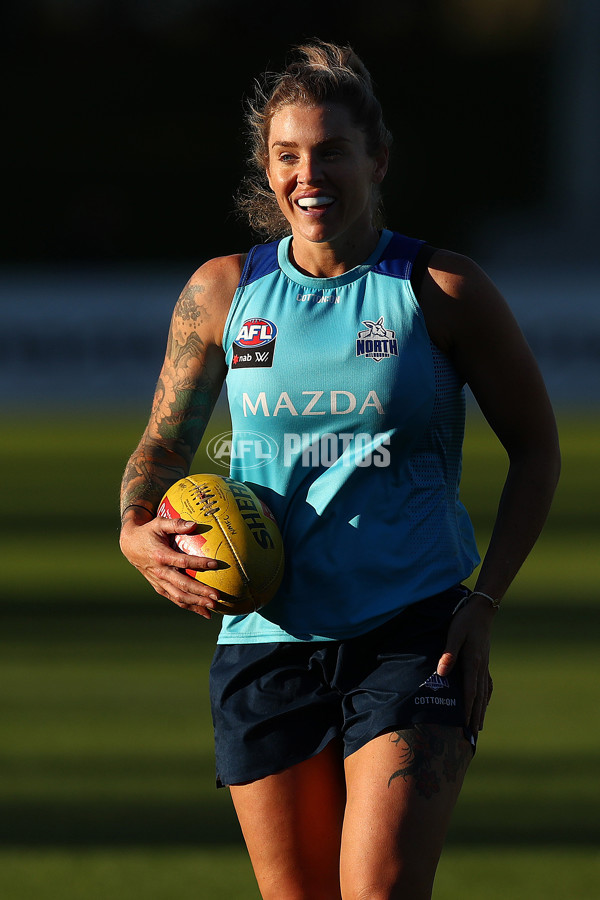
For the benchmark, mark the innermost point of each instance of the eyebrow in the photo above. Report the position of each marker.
(331, 140)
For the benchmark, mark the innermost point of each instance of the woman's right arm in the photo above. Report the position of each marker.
(188, 387)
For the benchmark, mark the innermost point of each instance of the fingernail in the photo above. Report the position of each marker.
(212, 563)
(214, 597)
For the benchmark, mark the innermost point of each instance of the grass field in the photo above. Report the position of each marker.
(107, 783)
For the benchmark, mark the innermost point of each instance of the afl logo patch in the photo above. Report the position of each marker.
(256, 333)
(255, 344)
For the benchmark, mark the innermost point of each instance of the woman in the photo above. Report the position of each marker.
(346, 712)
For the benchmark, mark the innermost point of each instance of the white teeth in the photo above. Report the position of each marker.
(307, 202)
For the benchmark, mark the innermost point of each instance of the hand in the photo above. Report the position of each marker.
(469, 641)
(149, 547)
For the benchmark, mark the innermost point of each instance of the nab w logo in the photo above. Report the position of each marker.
(377, 342)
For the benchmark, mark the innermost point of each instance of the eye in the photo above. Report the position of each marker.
(286, 157)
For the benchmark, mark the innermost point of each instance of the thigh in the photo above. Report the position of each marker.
(292, 824)
(402, 788)
(272, 707)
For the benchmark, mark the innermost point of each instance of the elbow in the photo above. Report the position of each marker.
(558, 464)
(553, 465)
(554, 457)
(540, 460)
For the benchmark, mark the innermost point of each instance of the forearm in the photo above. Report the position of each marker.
(151, 470)
(176, 427)
(522, 512)
(148, 541)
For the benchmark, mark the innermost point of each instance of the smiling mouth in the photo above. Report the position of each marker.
(315, 202)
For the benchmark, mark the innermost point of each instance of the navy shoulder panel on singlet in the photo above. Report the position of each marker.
(261, 260)
(398, 257)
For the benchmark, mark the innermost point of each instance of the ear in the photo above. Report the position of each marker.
(268, 174)
(381, 160)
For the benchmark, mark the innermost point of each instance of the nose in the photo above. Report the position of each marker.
(309, 171)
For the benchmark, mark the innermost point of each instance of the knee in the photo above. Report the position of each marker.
(377, 892)
(301, 892)
(300, 884)
(401, 886)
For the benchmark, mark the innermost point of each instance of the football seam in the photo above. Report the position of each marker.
(233, 550)
(266, 585)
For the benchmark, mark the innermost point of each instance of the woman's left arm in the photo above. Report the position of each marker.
(470, 321)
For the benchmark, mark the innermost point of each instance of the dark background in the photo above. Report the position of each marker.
(122, 149)
(123, 118)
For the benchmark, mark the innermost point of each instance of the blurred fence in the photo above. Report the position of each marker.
(83, 338)
(77, 339)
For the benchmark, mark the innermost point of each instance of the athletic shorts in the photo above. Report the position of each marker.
(275, 705)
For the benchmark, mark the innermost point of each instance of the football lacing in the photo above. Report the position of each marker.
(207, 500)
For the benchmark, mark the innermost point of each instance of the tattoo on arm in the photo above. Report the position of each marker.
(429, 753)
(188, 306)
(183, 402)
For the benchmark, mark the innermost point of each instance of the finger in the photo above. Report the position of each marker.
(480, 701)
(197, 608)
(175, 526)
(168, 555)
(487, 698)
(473, 689)
(182, 588)
(199, 563)
(200, 605)
(207, 596)
(477, 713)
(176, 559)
(470, 701)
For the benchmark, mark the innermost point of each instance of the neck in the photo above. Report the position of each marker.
(329, 259)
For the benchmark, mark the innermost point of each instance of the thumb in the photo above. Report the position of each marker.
(454, 641)
(447, 661)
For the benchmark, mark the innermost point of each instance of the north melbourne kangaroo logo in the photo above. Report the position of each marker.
(436, 682)
(377, 342)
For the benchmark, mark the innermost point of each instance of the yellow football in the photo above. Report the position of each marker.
(235, 527)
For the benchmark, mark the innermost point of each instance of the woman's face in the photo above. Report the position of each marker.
(322, 175)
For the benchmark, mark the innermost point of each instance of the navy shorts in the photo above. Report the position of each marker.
(275, 705)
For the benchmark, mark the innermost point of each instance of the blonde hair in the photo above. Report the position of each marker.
(321, 73)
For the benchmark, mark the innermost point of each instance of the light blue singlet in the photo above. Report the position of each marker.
(348, 422)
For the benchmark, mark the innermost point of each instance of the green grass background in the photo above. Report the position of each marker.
(106, 776)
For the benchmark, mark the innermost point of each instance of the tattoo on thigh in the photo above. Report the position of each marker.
(429, 753)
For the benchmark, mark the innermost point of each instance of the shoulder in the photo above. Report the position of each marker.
(472, 323)
(207, 296)
(455, 275)
(218, 278)
(461, 303)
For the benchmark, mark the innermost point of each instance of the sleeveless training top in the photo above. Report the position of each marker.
(348, 422)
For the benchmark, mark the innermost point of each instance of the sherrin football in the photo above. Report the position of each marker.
(236, 528)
